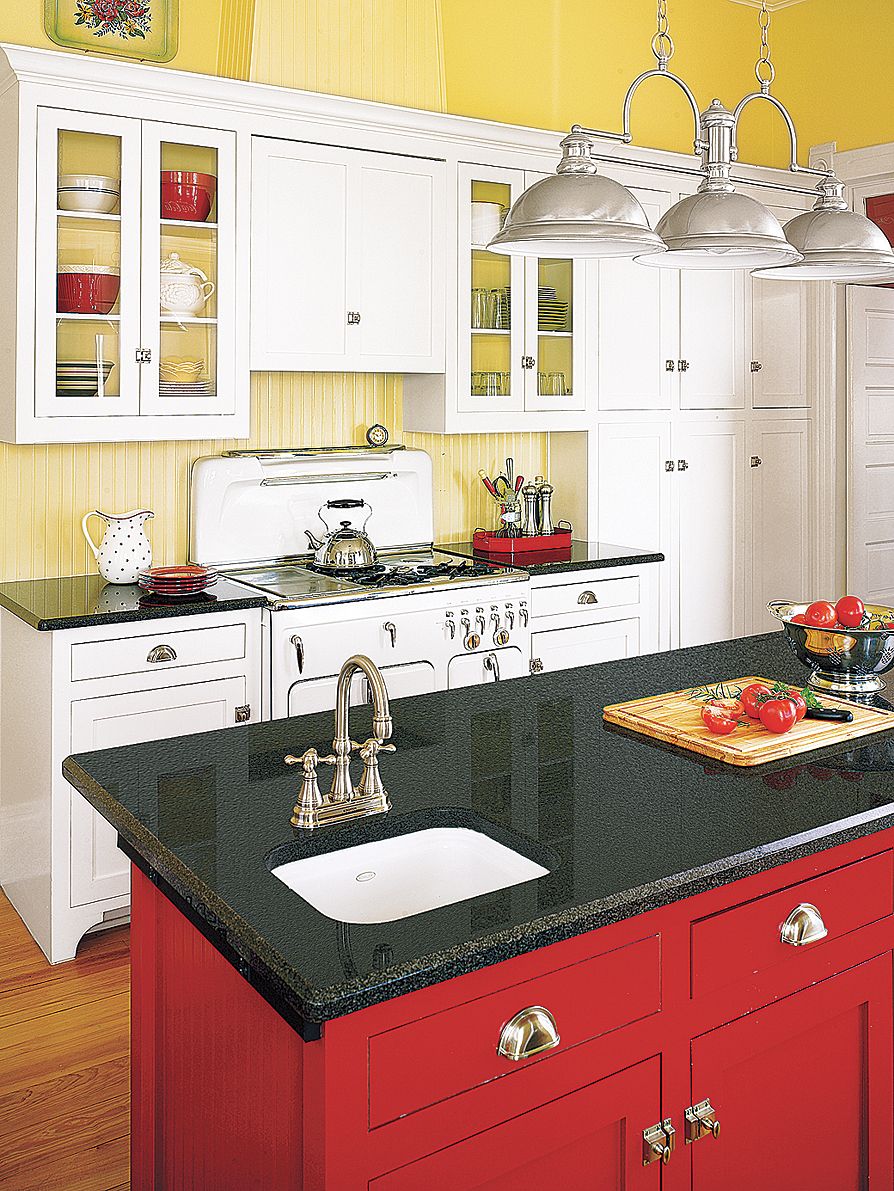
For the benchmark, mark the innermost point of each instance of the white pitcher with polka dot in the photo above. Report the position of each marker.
(124, 551)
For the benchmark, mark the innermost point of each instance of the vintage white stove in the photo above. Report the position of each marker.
(428, 620)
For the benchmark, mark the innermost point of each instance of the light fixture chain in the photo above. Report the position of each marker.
(662, 42)
(764, 69)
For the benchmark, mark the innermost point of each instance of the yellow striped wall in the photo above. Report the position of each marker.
(387, 50)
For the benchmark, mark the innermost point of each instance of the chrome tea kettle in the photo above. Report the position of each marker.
(346, 548)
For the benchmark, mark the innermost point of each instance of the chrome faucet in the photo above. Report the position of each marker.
(343, 801)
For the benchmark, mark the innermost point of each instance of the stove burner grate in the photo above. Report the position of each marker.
(406, 576)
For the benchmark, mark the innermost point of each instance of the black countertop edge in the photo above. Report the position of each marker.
(30, 599)
(250, 955)
(585, 556)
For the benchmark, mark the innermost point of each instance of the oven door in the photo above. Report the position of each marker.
(318, 694)
(492, 665)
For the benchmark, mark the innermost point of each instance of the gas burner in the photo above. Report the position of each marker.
(359, 573)
(416, 574)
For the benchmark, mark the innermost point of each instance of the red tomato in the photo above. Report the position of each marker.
(717, 721)
(731, 708)
(850, 611)
(800, 619)
(800, 705)
(778, 715)
(750, 697)
(821, 615)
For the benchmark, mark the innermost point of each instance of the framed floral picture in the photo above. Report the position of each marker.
(145, 29)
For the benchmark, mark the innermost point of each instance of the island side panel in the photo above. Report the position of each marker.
(217, 1075)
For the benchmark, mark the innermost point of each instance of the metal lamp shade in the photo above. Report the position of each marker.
(576, 215)
(721, 229)
(836, 245)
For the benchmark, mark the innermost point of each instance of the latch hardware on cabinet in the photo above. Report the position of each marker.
(756, 365)
(143, 355)
(803, 926)
(682, 465)
(528, 361)
(162, 653)
(299, 652)
(669, 465)
(242, 714)
(659, 1142)
(536, 666)
(669, 365)
(353, 318)
(701, 1121)
(683, 365)
(756, 461)
(587, 597)
(391, 629)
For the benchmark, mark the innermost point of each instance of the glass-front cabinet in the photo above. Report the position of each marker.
(517, 350)
(135, 287)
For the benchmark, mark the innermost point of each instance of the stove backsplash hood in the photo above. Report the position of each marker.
(250, 506)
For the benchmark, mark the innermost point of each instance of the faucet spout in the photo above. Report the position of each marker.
(382, 723)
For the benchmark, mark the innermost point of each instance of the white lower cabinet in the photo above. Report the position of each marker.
(586, 645)
(98, 688)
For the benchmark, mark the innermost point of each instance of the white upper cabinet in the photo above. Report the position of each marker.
(126, 295)
(711, 363)
(780, 322)
(347, 251)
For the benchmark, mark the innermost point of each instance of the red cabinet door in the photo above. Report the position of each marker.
(589, 1140)
(802, 1090)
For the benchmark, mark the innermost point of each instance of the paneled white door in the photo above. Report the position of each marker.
(710, 467)
(870, 545)
(780, 329)
(586, 645)
(712, 339)
(475, 669)
(779, 454)
(98, 869)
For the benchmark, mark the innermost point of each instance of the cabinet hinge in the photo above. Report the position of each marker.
(669, 365)
(756, 365)
(683, 365)
(144, 355)
(528, 362)
(669, 465)
(659, 1142)
(243, 714)
(756, 461)
(353, 318)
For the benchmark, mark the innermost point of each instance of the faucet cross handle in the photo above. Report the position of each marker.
(370, 784)
(306, 809)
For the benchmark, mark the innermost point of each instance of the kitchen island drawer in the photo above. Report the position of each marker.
(160, 650)
(745, 942)
(419, 1064)
(584, 597)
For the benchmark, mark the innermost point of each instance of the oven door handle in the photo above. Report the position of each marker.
(492, 663)
(299, 652)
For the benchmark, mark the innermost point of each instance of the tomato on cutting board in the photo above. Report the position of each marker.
(778, 715)
(800, 703)
(751, 697)
(717, 719)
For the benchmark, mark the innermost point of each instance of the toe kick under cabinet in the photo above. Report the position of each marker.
(581, 618)
(74, 690)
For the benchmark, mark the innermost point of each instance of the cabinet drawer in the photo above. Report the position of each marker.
(165, 650)
(584, 645)
(419, 1064)
(742, 943)
(585, 598)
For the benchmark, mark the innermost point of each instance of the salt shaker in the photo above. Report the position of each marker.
(544, 506)
(529, 492)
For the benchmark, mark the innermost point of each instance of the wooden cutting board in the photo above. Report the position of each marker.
(676, 719)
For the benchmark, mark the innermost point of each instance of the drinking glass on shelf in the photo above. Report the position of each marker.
(557, 385)
(500, 299)
(479, 308)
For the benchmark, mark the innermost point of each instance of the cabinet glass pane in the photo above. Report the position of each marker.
(88, 265)
(188, 273)
(490, 299)
(555, 325)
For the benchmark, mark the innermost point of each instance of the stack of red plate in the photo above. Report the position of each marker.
(184, 580)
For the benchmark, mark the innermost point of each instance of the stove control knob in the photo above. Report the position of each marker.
(472, 641)
(450, 625)
(480, 620)
(501, 637)
(523, 614)
(510, 616)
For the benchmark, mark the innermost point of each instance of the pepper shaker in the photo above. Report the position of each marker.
(544, 506)
(529, 493)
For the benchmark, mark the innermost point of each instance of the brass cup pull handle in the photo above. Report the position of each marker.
(162, 653)
(587, 597)
(803, 926)
(530, 1032)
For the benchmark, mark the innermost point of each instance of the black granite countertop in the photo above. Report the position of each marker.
(82, 601)
(585, 556)
(532, 757)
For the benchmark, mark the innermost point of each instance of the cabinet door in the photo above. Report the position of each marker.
(473, 669)
(87, 287)
(802, 1090)
(555, 318)
(98, 869)
(635, 490)
(589, 1140)
(584, 645)
(710, 488)
(491, 289)
(318, 694)
(300, 247)
(189, 271)
(712, 339)
(779, 334)
(397, 280)
(637, 327)
(780, 520)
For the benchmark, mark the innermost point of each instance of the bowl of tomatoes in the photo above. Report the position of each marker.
(847, 646)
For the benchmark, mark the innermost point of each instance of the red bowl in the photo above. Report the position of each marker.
(186, 194)
(86, 293)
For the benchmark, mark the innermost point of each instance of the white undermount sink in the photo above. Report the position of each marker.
(406, 874)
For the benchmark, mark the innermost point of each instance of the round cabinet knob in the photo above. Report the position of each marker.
(529, 1033)
(803, 926)
(472, 641)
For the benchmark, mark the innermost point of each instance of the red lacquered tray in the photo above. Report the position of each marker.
(553, 547)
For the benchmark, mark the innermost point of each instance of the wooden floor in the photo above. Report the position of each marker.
(64, 1063)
